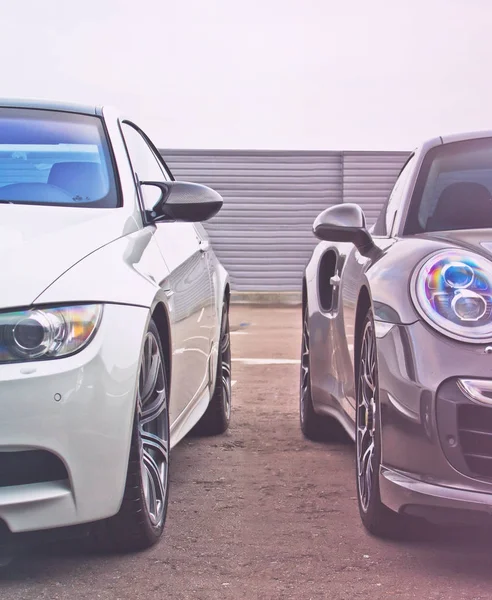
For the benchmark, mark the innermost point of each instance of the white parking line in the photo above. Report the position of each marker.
(233, 383)
(267, 361)
(239, 332)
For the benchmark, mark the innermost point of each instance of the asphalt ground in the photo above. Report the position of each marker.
(260, 512)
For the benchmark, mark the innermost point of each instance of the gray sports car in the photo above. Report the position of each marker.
(397, 338)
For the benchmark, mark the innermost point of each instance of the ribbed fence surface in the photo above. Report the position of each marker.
(368, 178)
(263, 234)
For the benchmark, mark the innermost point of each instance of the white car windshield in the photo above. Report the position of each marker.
(52, 157)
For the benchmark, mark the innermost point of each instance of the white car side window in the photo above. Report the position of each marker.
(144, 163)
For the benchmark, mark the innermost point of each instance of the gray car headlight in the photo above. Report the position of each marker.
(452, 290)
(43, 333)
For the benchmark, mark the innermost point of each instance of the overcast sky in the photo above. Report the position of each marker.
(274, 74)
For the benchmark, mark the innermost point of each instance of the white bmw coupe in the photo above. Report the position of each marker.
(114, 328)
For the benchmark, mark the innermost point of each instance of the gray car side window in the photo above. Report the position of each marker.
(144, 163)
(387, 217)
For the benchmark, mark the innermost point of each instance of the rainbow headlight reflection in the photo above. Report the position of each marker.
(47, 332)
(453, 292)
(458, 275)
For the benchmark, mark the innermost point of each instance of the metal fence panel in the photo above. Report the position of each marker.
(263, 234)
(368, 178)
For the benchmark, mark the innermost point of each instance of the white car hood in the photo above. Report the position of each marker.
(40, 243)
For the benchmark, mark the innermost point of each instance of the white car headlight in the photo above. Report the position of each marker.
(44, 333)
(452, 290)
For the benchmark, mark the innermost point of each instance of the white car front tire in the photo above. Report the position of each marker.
(139, 524)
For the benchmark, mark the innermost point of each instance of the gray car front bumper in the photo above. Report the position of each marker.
(427, 454)
(404, 494)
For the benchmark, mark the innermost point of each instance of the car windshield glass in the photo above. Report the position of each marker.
(54, 158)
(454, 188)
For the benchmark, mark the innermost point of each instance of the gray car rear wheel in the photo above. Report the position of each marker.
(314, 427)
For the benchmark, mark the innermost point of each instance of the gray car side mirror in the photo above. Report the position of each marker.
(344, 223)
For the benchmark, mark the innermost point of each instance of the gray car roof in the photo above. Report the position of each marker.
(471, 135)
(50, 105)
(425, 146)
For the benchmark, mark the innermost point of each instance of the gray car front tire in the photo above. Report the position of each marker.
(377, 518)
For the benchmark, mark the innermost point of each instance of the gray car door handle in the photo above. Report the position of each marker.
(335, 280)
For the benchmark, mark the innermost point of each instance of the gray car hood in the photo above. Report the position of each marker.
(476, 240)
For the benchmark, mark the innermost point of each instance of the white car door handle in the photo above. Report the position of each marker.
(204, 245)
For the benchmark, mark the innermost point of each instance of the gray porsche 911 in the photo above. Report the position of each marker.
(397, 338)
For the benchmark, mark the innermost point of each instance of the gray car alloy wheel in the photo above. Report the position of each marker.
(377, 518)
(305, 391)
(367, 415)
(153, 429)
(313, 426)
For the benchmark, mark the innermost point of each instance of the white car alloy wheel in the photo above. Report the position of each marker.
(218, 414)
(140, 522)
(225, 364)
(153, 428)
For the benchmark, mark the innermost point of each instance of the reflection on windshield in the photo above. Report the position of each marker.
(454, 188)
(48, 157)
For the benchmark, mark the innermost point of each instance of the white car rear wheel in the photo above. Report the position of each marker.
(218, 414)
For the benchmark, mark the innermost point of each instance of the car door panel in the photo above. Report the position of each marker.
(353, 278)
(329, 355)
(188, 285)
(350, 287)
(190, 305)
(213, 314)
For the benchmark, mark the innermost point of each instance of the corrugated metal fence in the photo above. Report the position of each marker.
(263, 233)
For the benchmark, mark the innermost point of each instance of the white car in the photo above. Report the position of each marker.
(114, 328)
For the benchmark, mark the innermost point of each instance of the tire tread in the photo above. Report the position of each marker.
(378, 520)
(214, 420)
(130, 529)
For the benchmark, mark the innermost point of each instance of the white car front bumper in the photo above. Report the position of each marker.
(73, 416)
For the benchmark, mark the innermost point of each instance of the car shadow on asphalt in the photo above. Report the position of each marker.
(472, 538)
(442, 548)
(44, 562)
